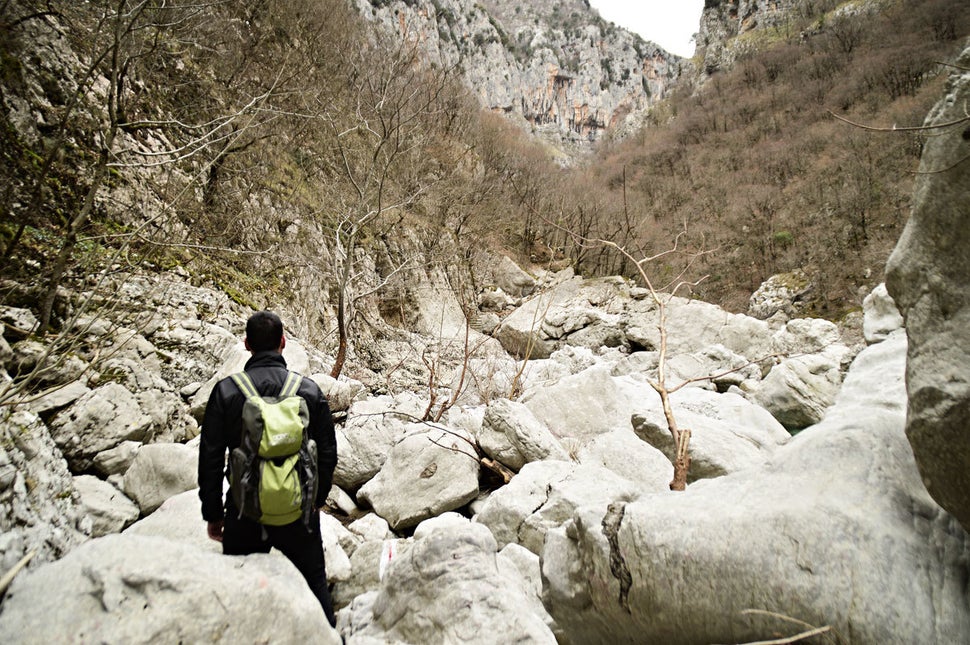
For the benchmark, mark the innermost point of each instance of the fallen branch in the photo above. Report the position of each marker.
(808, 633)
(496, 467)
(911, 128)
(10, 575)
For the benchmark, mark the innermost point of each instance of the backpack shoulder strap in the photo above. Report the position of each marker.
(292, 385)
(242, 380)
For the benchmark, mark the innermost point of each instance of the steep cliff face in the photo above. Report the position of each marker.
(554, 65)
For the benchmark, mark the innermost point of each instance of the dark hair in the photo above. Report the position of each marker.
(264, 331)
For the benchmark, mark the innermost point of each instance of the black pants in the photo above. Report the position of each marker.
(242, 536)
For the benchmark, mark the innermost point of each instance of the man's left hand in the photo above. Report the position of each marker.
(215, 530)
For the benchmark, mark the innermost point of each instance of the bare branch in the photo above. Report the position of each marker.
(894, 128)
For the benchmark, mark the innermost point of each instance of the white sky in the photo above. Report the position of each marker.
(669, 23)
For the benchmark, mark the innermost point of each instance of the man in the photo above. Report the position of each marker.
(222, 428)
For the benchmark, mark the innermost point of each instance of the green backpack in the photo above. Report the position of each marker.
(273, 472)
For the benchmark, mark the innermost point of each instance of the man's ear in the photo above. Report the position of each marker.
(246, 343)
(282, 342)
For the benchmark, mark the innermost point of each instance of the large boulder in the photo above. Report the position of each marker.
(511, 434)
(133, 589)
(693, 325)
(800, 389)
(837, 530)
(521, 332)
(880, 315)
(110, 511)
(779, 293)
(340, 393)
(928, 276)
(510, 278)
(179, 519)
(117, 460)
(448, 590)
(728, 432)
(624, 454)
(57, 398)
(584, 405)
(160, 471)
(544, 495)
(425, 475)
(373, 427)
(99, 420)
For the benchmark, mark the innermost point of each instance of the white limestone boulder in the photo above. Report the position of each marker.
(800, 389)
(109, 509)
(179, 519)
(521, 332)
(693, 325)
(928, 275)
(448, 589)
(544, 495)
(728, 432)
(587, 404)
(160, 471)
(624, 454)
(99, 420)
(373, 427)
(510, 278)
(511, 434)
(880, 315)
(836, 530)
(521, 567)
(808, 336)
(134, 589)
(341, 393)
(425, 475)
(366, 563)
(117, 460)
(57, 398)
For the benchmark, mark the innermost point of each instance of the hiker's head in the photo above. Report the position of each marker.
(264, 332)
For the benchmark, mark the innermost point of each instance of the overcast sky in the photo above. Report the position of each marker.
(669, 23)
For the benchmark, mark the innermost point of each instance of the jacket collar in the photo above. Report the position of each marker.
(268, 358)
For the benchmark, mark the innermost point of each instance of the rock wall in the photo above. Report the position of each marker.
(555, 67)
(928, 275)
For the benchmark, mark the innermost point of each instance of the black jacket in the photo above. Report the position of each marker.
(222, 429)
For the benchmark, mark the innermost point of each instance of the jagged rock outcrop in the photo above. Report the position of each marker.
(555, 66)
(39, 511)
(927, 275)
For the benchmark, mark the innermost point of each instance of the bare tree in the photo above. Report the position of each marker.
(379, 134)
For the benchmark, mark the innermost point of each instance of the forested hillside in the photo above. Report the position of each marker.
(759, 161)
